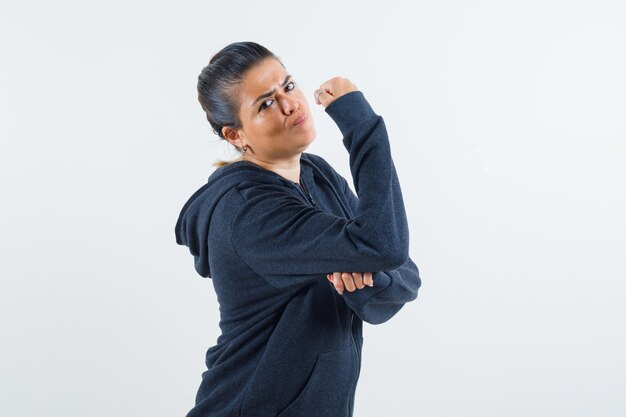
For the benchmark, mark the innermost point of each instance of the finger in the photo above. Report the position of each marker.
(368, 279)
(348, 281)
(323, 97)
(316, 95)
(339, 287)
(358, 280)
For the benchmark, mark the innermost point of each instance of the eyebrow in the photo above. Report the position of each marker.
(269, 93)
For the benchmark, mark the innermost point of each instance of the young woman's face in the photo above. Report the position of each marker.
(268, 119)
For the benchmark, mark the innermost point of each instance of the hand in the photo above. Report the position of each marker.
(350, 281)
(334, 88)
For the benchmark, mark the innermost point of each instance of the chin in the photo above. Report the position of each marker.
(311, 138)
(303, 140)
(305, 143)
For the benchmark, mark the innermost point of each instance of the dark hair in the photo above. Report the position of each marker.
(218, 83)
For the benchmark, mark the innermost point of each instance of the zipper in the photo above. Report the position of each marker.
(309, 196)
(305, 192)
(350, 405)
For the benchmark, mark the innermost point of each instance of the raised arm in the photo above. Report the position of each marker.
(292, 244)
(392, 288)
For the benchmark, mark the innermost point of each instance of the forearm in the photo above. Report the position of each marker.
(391, 290)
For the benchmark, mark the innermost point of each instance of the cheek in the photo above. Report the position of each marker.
(270, 124)
(302, 98)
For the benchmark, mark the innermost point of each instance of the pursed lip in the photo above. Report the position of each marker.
(300, 119)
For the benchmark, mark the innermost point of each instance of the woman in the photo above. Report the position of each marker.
(282, 235)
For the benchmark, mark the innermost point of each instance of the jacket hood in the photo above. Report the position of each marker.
(192, 227)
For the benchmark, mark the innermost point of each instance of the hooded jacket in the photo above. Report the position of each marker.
(290, 345)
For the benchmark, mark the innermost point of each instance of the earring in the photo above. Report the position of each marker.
(245, 149)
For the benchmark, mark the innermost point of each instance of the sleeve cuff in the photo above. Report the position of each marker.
(350, 110)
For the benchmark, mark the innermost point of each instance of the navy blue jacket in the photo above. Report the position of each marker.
(290, 345)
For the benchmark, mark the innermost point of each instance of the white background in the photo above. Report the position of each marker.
(507, 126)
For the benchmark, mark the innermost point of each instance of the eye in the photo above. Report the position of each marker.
(263, 105)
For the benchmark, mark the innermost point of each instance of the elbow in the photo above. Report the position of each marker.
(387, 247)
(393, 256)
(389, 260)
(394, 248)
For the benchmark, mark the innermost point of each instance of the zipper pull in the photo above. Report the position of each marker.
(311, 198)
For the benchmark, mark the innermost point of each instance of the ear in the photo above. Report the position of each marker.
(233, 136)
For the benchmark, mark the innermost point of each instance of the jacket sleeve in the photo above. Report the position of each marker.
(292, 244)
(391, 290)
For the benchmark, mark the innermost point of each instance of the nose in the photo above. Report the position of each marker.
(289, 104)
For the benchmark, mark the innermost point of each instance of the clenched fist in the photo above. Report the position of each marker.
(350, 280)
(332, 89)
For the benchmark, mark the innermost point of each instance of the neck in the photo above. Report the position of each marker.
(289, 168)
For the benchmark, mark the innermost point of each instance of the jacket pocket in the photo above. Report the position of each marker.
(327, 391)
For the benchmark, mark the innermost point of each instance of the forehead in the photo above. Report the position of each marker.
(261, 78)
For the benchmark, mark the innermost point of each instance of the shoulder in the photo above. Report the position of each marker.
(249, 190)
(326, 169)
(318, 161)
(322, 165)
